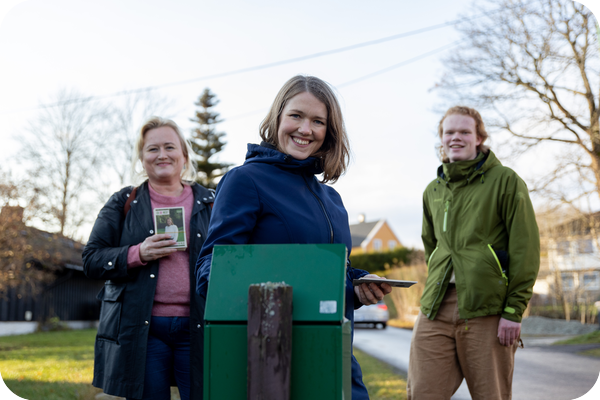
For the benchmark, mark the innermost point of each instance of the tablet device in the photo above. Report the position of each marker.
(391, 282)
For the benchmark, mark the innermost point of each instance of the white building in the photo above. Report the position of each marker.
(574, 256)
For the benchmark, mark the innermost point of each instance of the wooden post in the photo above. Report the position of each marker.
(269, 341)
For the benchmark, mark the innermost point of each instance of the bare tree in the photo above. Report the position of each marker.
(63, 152)
(533, 67)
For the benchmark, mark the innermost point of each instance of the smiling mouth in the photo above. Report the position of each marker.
(299, 141)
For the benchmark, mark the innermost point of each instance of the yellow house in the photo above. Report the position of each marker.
(369, 237)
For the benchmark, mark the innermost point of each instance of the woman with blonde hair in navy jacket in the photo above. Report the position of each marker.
(275, 197)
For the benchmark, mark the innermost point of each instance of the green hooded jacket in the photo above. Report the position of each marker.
(478, 222)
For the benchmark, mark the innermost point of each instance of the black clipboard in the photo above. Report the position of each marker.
(391, 282)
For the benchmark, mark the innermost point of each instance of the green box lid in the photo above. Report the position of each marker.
(317, 273)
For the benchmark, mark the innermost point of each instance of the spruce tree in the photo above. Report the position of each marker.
(206, 141)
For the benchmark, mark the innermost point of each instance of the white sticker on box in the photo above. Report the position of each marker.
(328, 307)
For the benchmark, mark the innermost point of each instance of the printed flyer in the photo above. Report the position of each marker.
(171, 220)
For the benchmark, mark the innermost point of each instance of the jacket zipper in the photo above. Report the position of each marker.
(322, 209)
(440, 288)
(446, 214)
(499, 265)
(431, 256)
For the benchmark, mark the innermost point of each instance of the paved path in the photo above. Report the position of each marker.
(541, 371)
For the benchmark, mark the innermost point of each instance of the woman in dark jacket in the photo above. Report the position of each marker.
(275, 197)
(151, 332)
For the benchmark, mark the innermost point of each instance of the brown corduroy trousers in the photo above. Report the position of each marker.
(448, 349)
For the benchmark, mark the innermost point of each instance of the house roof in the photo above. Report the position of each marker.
(359, 232)
(50, 250)
(59, 251)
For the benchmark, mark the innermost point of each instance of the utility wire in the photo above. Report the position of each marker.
(365, 77)
(247, 69)
(268, 65)
(405, 62)
(254, 68)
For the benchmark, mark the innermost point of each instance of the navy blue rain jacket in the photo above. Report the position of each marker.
(276, 199)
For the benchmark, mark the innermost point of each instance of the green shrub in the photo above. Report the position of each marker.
(53, 324)
(374, 262)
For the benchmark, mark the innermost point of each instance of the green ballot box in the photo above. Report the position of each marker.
(321, 337)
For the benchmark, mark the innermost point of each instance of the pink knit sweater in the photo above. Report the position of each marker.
(172, 296)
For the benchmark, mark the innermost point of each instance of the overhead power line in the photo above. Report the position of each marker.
(256, 67)
(364, 77)
(309, 56)
(405, 62)
(272, 64)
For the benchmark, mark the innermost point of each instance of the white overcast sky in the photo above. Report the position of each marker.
(104, 47)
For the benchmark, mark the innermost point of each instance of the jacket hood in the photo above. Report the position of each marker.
(268, 154)
(469, 169)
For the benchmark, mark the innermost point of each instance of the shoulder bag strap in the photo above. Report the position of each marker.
(128, 202)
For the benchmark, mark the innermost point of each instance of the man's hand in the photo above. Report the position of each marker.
(371, 293)
(508, 332)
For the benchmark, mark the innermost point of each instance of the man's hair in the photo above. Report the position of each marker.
(188, 173)
(479, 129)
(335, 151)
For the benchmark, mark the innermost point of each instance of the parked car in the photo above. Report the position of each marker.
(376, 315)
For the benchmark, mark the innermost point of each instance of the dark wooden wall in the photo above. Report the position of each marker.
(70, 297)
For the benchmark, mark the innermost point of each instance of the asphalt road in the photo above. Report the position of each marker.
(542, 372)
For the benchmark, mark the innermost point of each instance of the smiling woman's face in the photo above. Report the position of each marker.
(162, 155)
(302, 126)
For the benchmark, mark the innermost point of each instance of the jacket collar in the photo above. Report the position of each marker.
(268, 154)
(461, 170)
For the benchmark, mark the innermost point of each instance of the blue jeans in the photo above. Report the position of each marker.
(359, 391)
(167, 355)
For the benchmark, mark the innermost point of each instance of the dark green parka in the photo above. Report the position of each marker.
(128, 294)
(478, 222)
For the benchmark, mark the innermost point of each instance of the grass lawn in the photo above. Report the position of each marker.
(59, 365)
(589, 338)
(382, 382)
(591, 353)
(49, 365)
